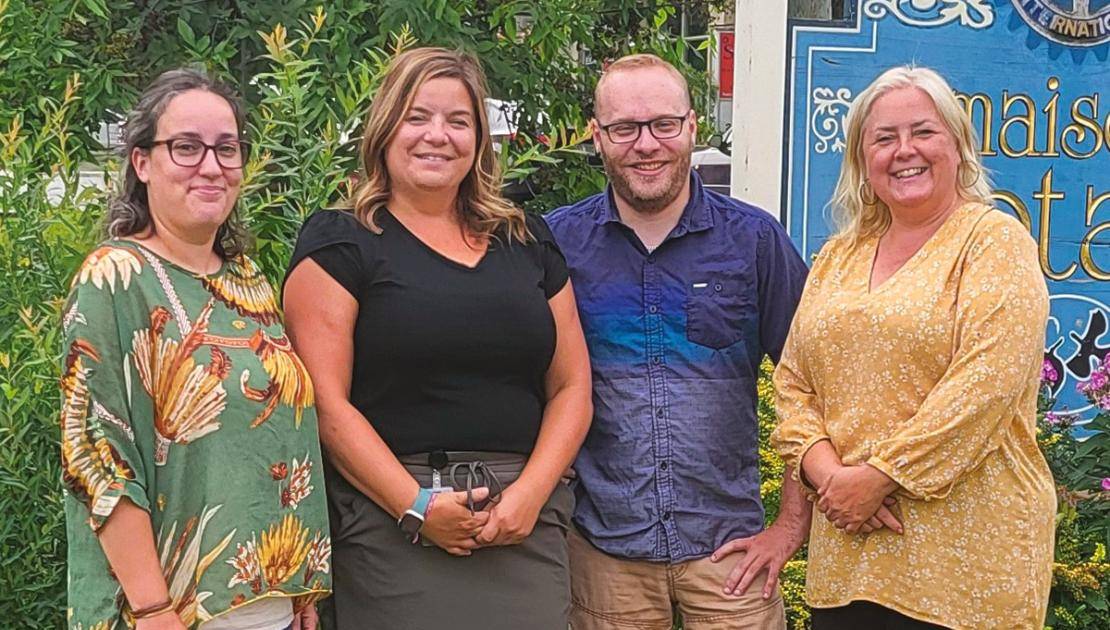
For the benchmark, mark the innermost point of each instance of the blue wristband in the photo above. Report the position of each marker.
(420, 505)
(412, 521)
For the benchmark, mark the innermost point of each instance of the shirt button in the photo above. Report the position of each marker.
(662, 465)
(717, 287)
(667, 515)
(656, 360)
(659, 412)
(653, 309)
(651, 259)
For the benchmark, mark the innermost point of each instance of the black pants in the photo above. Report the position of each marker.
(866, 616)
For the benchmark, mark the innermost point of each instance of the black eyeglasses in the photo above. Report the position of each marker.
(662, 128)
(189, 152)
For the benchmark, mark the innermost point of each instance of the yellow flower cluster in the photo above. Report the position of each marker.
(792, 584)
(1087, 575)
(793, 577)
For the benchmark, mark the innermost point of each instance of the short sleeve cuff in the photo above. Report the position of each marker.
(555, 271)
(102, 506)
(341, 262)
(331, 239)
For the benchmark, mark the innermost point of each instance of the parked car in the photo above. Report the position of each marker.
(714, 163)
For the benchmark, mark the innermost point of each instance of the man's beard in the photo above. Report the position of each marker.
(645, 201)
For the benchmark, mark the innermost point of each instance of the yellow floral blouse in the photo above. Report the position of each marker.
(932, 377)
(182, 393)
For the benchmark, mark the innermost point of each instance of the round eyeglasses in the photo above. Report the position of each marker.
(189, 152)
(662, 128)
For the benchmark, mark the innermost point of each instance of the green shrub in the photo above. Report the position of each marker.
(47, 227)
(793, 577)
(1081, 467)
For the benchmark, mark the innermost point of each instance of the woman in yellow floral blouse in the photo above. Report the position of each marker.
(907, 389)
(190, 453)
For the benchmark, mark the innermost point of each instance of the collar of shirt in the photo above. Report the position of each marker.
(696, 216)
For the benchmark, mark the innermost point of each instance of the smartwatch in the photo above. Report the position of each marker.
(413, 519)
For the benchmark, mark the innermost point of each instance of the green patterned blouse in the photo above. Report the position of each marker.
(182, 393)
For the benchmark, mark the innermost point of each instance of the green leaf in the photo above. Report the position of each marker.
(661, 17)
(186, 32)
(98, 8)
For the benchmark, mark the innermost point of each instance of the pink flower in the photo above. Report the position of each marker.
(1059, 419)
(1106, 484)
(1097, 388)
(1048, 373)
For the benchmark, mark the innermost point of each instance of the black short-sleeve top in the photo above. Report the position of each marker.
(445, 356)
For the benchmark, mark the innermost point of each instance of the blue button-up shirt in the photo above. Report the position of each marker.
(670, 468)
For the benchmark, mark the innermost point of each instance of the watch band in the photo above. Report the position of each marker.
(413, 519)
(420, 505)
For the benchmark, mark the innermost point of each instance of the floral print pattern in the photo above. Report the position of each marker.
(188, 397)
(275, 556)
(172, 385)
(940, 396)
(92, 469)
(245, 289)
(104, 265)
(299, 481)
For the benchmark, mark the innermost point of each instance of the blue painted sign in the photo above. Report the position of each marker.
(1035, 78)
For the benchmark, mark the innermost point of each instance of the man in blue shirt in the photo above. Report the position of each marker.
(681, 292)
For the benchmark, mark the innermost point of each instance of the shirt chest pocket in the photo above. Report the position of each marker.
(718, 309)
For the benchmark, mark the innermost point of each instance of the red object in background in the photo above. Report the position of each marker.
(727, 53)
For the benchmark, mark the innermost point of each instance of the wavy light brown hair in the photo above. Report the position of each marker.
(482, 209)
(856, 216)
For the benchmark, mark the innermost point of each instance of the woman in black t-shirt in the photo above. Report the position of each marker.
(452, 380)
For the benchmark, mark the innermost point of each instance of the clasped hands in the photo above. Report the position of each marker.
(857, 499)
(451, 525)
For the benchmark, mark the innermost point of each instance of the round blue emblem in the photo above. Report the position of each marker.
(1083, 23)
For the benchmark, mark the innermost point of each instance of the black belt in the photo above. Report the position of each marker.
(467, 470)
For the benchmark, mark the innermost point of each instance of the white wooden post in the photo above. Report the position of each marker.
(758, 103)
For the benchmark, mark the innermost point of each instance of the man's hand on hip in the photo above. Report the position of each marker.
(768, 550)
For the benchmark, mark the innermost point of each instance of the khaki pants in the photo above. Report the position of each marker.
(609, 593)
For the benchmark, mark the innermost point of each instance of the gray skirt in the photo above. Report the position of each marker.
(381, 580)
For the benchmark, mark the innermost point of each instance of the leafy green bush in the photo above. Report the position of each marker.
(1081, 576)
(793, 577)
(47, 227)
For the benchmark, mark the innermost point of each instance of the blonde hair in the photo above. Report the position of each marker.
(855, 216)
(484, 212)
(637, 62)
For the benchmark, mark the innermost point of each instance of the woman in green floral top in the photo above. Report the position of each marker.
(190, 455)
